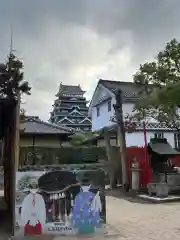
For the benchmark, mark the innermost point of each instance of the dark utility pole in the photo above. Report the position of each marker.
(121, 137)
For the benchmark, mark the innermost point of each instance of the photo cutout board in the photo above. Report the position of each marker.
(60, 203)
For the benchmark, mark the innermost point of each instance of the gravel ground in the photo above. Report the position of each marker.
(144, 221)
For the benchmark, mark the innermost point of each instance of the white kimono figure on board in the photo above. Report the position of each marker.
(33, 215)
(96, 205)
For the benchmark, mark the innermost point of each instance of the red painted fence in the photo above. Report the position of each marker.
(176, 161)
(141, 156)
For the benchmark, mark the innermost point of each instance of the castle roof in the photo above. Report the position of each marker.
(130, 90)
(70, 89)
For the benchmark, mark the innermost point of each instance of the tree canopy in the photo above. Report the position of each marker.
(79, 139)
(159, 84)
(12, 78)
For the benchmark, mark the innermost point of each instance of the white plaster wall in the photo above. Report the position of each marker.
(132, 139)
(170, 138)
(104, 118)
(137, 138)
(127, 108)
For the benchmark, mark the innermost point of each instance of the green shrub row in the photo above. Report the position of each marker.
(63, 155)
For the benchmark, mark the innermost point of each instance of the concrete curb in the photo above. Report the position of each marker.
(159, 200)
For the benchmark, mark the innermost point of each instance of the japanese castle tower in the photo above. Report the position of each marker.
(70, 108)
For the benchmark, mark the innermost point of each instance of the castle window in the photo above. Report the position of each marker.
(98, 111)
(109, 106)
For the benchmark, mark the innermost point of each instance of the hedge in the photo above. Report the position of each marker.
(63, 155)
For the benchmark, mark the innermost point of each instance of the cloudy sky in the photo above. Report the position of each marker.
(80, 41)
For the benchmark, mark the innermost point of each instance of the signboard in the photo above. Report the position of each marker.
(59, 203)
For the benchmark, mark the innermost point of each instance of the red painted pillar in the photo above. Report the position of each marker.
(147, 170)
(145, 142)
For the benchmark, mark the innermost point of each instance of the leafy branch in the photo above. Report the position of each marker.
(159, 84)
(12, 79)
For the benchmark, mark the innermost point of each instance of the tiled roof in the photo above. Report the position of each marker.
(70, 89)
(34, 125)
(139, 127)
(129, 89)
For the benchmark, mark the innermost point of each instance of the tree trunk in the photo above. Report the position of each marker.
(16, 132)
(112, 173)
(121, 138)
(123, 159)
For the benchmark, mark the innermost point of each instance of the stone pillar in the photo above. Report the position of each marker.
(135, 176)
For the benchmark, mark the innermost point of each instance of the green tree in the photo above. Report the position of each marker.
(80, 138)
(24, 182)
(12, 79)
(159, 84)
(12, 85)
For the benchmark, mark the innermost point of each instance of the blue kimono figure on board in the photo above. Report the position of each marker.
(86, 211)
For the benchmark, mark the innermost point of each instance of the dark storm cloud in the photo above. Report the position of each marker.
(78, 41)
(149, 22)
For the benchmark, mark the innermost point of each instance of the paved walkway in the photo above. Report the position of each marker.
(137, 221)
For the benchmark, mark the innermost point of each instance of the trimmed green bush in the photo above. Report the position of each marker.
(63, 155)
